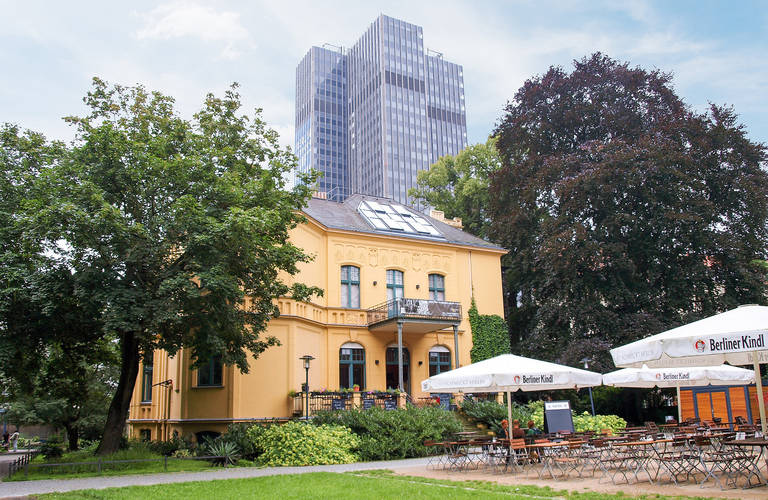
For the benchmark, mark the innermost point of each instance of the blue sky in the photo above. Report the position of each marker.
(49, 51)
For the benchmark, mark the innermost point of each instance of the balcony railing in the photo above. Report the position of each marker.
(404, 308)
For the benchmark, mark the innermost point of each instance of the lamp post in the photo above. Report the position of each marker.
(591, 401)
(306, 359)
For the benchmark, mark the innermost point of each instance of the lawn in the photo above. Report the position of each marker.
(376, 485)
(131, 461)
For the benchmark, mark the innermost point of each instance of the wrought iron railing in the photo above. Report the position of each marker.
(324, 401)
(415, 309)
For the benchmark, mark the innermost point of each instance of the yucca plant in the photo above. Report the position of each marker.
(226, 453)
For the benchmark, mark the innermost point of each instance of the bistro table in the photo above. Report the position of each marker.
(749, 463)
(638, 455)
(548, 453)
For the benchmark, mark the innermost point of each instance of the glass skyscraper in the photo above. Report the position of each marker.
(371, 117)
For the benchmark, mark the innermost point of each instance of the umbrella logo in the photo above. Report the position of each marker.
(517, 379)
(700, 345)
(658, 376)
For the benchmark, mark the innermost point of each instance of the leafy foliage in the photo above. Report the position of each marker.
(386, 435)
(458, 185)
(175, 231)
(582, 422)
(241, 435)
(228, 452)
(297, 443)
(490, 335)
(492, 413)
(625, 212)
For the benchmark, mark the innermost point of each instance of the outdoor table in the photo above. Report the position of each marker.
(547, 454)
(639, 457)
(750, 462)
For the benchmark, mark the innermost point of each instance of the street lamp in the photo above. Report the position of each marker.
(591, 401)
(306, 359)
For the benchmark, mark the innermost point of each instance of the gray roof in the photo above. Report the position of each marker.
(345, 216)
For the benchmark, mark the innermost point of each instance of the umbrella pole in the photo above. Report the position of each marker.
(679, 406)
(760, 397)
(509, 412)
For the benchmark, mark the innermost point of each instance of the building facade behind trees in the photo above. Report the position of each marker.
(393, 279)
(371, 117)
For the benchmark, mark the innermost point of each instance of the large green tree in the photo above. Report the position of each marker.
(458, 185)
(177, 228)
(625, 212)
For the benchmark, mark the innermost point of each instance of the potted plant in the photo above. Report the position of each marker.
(356, 388)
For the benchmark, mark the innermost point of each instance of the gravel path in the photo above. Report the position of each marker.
(25, 488)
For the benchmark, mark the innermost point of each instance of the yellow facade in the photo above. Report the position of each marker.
(320, 328)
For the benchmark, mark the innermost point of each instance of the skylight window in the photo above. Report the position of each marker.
(396, 218)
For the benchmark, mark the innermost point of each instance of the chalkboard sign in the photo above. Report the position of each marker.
(338, 404)
(368, 404)
(445, 401)
(558, 416)
(390, 404)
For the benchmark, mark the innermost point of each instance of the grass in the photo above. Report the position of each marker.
(86, 465)
(359, 485)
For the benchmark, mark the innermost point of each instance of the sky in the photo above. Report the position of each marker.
(50, 51)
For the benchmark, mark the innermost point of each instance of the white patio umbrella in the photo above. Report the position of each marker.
(738, 336)
(679, 377)
(509, 373)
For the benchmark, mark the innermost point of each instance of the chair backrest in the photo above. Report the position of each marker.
(651, 426)
(606, 432)
(517, 444)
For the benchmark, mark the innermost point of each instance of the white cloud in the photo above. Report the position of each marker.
(184, 19)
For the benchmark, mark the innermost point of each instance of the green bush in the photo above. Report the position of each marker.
(53, 448)
(228, 451)
(170, 447)
(296, 443)
(492, 413)
(238, 435)
(583, 422)
(386, 435)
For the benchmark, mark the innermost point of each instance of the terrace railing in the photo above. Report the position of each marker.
(406, 308)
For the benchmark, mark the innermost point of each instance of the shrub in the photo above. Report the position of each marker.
(400, 433)
(237, 434)
(53, 448)
(492, 413)
(170, 447)
(296, 443)
(228, 452)
(583, 422)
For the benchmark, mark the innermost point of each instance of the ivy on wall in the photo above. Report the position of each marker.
(490, 335)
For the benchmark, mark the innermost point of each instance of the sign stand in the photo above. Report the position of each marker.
(558, 417)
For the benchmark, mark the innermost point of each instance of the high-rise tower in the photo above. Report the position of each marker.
(403, 109)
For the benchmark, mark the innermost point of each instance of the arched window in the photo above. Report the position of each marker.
(350, 287)
(351, 365)
(439, 360)
(394, 284)
(436, 287)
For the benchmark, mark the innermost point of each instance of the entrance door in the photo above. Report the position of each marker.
(713, 403)
(392, 378)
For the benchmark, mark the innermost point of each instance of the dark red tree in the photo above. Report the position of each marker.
(626, 212)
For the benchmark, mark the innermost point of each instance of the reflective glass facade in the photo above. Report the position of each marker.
(321, 119)
(404, 109)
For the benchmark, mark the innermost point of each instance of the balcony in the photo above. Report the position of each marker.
(414, 315)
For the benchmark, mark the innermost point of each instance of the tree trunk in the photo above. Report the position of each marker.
(118, 409)
(73, 436)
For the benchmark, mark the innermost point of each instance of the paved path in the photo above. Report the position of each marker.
(24, 488)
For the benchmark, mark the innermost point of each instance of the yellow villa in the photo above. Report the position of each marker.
(394, 280)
